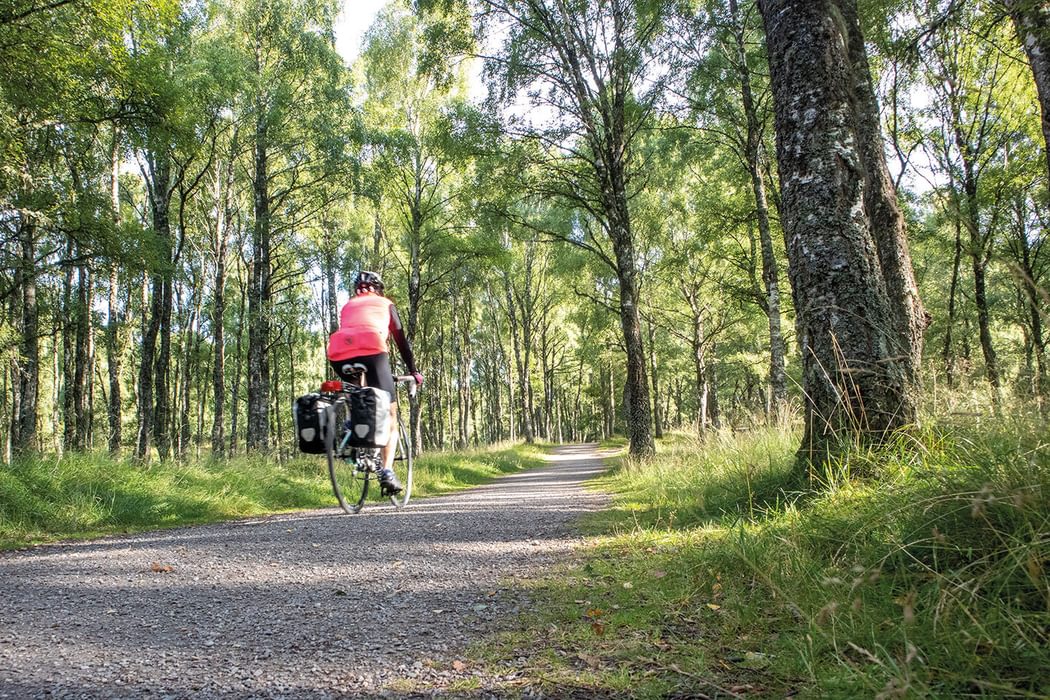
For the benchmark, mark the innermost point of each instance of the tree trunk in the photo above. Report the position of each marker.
(238, 366)
(153, 386)
(68, 326)
(639, 415)
(259, 298)
(144, 386)
(189, 347)
(414, 298)
(520, 359)
(511, 418)
(1032, 23)
(602, 90)
(113, 317)
(25, 432)
(658, 422)
(10, 389)
(220, 246)
(114, 363)
(162, 365)
(56, 391)
(201, 385)
(331, 291)
(377, 239)
(713, 406)
(526, 308)
(218, 367)
(979, 256)
(885, 218)
(857, 381)
(548, 389)
(947, 355)
(753, 156)
(707, 414)
(464, 361)
(1030, 294)
(275, 392)
(497, 375)
(82, 372)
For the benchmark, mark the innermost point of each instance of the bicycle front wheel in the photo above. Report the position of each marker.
(350, 478)
(402, 467)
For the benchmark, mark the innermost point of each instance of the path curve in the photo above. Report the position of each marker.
(306, 605)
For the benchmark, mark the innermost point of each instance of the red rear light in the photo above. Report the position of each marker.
(332, 386)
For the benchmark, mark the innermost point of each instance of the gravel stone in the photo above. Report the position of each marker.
(315, 604)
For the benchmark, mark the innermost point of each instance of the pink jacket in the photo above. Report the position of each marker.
(364, 326)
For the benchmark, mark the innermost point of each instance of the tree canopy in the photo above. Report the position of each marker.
(595, 217)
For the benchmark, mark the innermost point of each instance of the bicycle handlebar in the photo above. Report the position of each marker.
(413, 385)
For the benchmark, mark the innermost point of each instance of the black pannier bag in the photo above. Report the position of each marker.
(369, 417)
(310, 415)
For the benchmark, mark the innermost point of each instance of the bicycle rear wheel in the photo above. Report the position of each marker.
(402, 467)
(350, 474)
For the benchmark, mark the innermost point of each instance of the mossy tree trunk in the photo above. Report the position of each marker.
(859, 319)
(1031, 20)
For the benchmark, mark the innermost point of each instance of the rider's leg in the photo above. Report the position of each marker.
(391, 447)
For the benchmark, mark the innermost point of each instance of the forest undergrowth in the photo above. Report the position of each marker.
(918, 570)
(46, 499)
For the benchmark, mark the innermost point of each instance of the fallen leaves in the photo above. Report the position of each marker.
(594, 615)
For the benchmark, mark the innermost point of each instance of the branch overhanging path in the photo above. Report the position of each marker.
(309, 604)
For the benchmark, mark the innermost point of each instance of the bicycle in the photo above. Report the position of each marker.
(352, 469)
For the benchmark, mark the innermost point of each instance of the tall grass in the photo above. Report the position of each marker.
(919, 570)
(44, 499)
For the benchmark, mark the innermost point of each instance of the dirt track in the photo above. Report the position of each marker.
(308, 605)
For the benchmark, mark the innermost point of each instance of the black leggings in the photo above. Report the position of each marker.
(377, 368)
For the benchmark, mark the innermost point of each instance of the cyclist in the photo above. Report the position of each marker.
(365, 323)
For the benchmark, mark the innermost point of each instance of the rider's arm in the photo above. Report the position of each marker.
(398, 333)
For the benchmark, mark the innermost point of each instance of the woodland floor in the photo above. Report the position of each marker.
(314, 604)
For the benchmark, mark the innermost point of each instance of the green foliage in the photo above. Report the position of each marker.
(43, 499)
(925, 577)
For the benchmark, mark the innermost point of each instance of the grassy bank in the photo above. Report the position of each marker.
(919, 572)
(45, 499)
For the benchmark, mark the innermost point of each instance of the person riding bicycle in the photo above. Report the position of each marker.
(365, 323)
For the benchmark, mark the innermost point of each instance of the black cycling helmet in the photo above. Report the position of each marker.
(368, 282)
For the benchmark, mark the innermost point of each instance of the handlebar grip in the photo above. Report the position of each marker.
(410, 380)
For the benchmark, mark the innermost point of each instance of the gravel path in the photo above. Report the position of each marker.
(308, 605)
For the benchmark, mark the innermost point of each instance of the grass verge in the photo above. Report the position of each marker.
(45, 499)
(917, 571)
